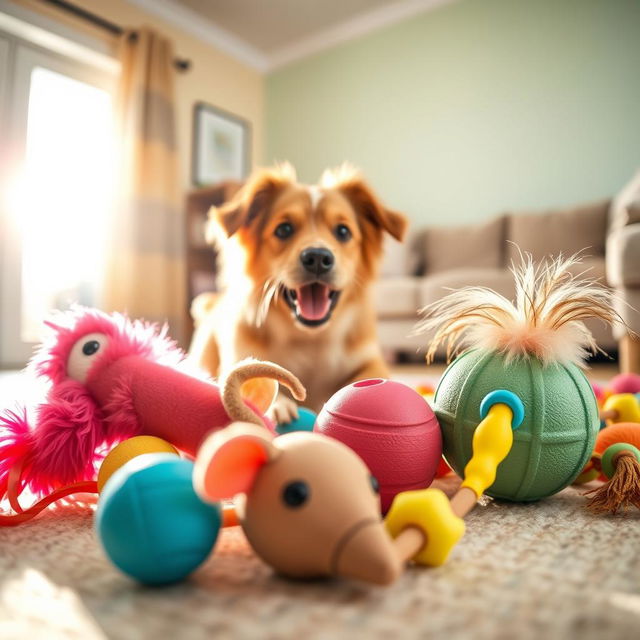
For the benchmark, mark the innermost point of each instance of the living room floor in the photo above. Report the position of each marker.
(547, 570)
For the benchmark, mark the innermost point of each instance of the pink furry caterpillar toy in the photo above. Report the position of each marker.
(111, 378)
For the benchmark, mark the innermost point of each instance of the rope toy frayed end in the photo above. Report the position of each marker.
(622, 490)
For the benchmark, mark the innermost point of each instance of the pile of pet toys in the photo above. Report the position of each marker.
(617, 448)
(176, 457)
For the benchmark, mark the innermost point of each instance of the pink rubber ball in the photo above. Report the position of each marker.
(391, 427)
(625, 383)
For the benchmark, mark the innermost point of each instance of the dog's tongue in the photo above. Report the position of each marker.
(313, 301)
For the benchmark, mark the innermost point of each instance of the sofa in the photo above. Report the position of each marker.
(623, 269)
(436, 259)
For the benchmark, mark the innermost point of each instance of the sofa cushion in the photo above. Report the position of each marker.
(396, 297)
(401, 258)
(472, 245)
(438, 285)
(623, 257)
(625, 207)
(626, 306)
(594, 269)
(591, 267)
(566, 231)
(396, 334)
(416, 247)
(394, 257)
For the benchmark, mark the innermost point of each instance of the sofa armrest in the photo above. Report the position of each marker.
(623, 257)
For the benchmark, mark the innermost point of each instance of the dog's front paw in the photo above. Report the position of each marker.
(283, 410)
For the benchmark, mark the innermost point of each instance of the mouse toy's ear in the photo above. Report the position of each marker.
(229, 461)
(251, 202)
(260, 392)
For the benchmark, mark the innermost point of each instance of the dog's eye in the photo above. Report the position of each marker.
(375, 485)
(296, 493)
(343, 233)
(284, 230)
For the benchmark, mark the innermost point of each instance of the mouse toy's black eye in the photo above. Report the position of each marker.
(295, 494)
(375, 485)
(90, 347)
(284, 230)
(343, 233)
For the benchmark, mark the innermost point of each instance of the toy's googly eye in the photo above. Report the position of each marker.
(83, 355)
(295, 494)
(91, 347)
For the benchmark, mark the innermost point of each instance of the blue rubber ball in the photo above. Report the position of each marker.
(304, 422)
(152, 524)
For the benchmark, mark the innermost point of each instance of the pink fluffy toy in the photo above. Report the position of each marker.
(110, 378)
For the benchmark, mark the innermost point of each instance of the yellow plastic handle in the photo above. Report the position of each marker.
(429, 510)
(492, 441)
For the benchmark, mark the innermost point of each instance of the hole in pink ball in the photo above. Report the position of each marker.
(369, 383)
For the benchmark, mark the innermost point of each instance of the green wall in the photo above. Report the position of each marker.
(474, 108)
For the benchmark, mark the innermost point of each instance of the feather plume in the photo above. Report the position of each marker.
(545, 321)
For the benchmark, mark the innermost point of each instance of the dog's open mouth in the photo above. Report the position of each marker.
(312, 303)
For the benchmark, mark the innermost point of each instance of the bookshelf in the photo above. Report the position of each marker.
(201, 257)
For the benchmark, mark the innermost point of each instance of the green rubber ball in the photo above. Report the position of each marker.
(553, 443)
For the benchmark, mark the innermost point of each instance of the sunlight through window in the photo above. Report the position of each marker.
(66, 197)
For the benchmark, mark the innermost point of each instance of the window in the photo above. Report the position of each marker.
(65, 197)
(57, 172)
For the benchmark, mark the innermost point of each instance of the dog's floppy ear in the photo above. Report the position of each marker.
(251, 201)
(348, 180)
(229, 461)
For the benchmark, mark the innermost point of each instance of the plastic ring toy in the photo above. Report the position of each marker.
(502, 396)
(607, 457)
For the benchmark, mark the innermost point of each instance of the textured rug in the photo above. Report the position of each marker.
(543, 570)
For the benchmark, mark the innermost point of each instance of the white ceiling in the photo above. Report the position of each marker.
(267, 34)
(272, 24)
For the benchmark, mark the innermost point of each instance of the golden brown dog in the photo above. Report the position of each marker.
(298, 262)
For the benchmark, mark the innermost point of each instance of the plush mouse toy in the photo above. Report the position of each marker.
(111, 378)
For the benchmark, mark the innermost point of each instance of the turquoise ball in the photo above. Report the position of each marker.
(151, 523)
(553, 443)
(304, 422)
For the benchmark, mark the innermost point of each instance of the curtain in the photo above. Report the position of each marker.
(146, 275)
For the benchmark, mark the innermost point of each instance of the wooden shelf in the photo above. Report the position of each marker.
(201, 257)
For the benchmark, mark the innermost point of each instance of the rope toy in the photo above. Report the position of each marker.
(617, 457)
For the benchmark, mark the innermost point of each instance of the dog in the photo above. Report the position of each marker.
(298, 262)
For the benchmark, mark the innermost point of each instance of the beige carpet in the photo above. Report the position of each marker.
(545, 570)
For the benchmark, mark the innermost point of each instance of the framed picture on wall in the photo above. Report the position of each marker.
(221, 146)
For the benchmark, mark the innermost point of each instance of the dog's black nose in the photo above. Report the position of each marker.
(317, 260)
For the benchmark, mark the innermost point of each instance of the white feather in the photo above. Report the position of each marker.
(544, 321)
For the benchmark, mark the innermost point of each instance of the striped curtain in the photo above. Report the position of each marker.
(146, 266)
